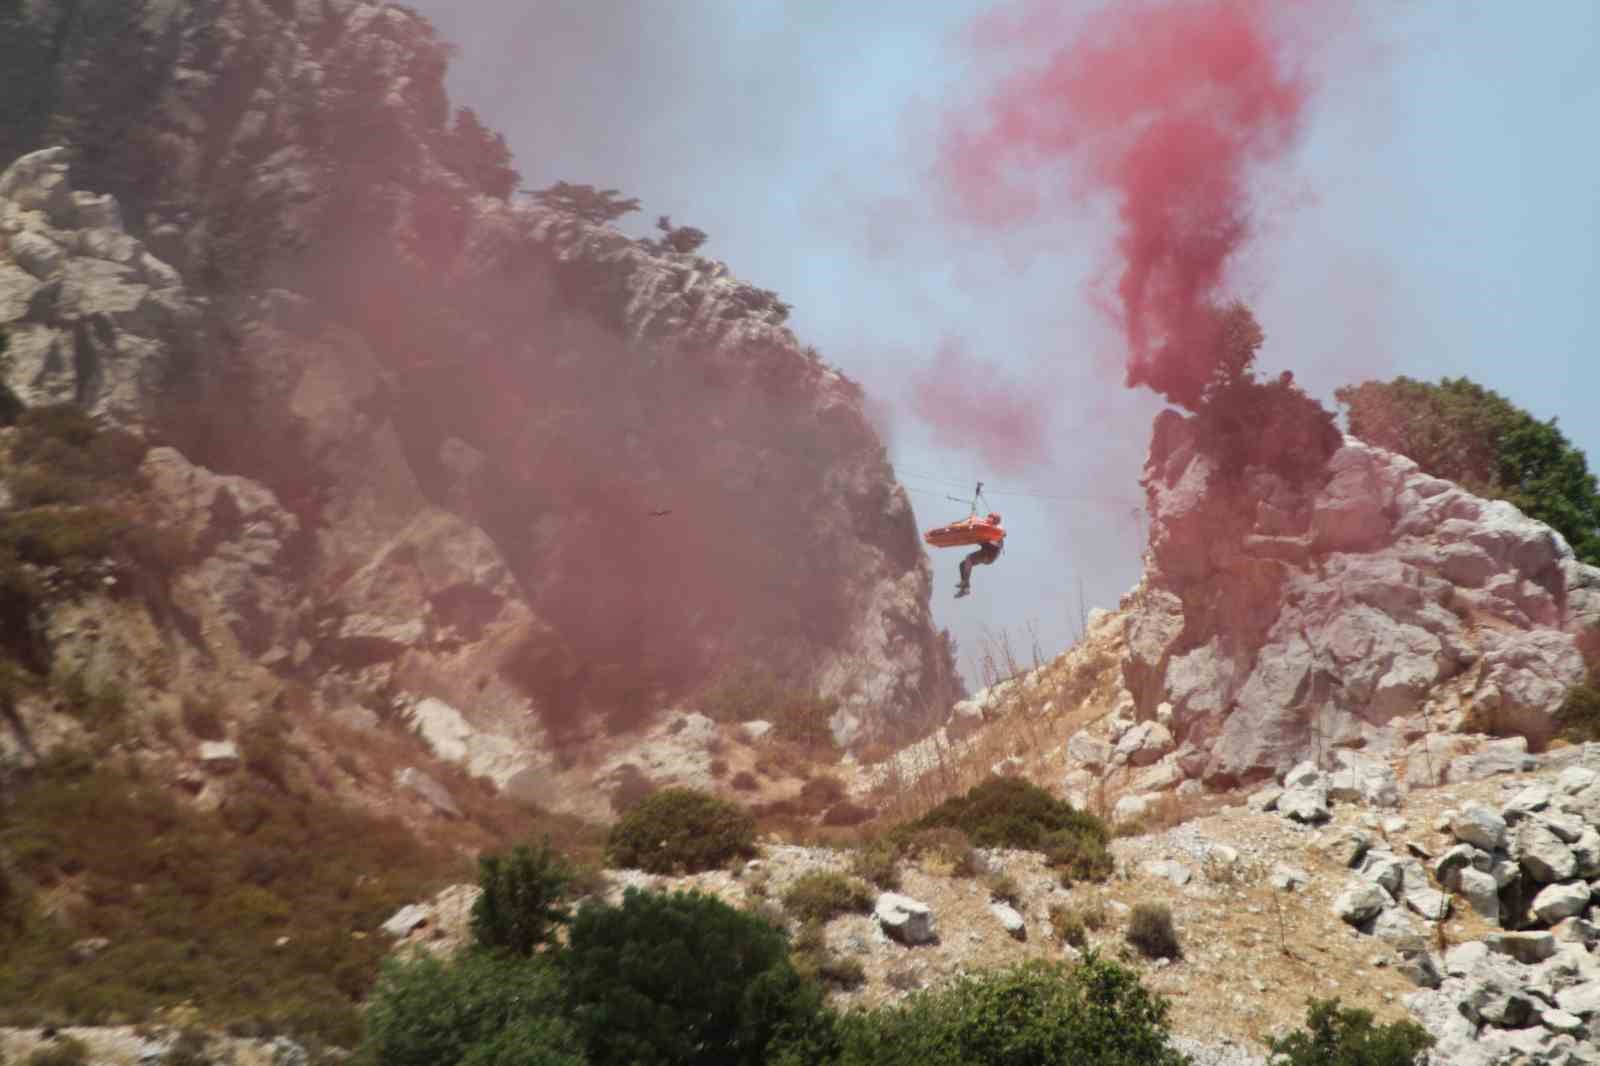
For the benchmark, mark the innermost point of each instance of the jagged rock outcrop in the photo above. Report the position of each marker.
(471, 404)
(1369, 607)
(91, 316)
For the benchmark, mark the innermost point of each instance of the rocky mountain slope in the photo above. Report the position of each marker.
(1370, 613)
(1370, 903)
(421, 430)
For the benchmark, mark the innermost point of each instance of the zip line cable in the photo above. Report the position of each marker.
(1024, 493)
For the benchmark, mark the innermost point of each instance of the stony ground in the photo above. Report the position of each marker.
(1252, 955)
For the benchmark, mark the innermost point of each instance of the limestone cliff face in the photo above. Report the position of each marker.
(1365, 607)
(469, 406)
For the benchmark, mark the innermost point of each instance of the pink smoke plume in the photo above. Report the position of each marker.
(1171, 107)
(967, 399)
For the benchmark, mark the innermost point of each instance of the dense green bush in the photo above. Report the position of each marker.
(682, 979)
(1471, 435)
(680, 829)
(1079, 856)
(1034, 1014)
(425, 1012)
(523, 899)
(1008, 812)
(1150, 930)
(1346, 1037)
(822, 895)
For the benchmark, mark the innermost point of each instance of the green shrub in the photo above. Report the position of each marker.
(680, 829)
(262, 749)
(425, 1012)
(1078, 856)
(1150, 930)
(1004, 887)
(841, 971)
(523, 899)
(39, 429)
(62, 1051)
(681, 978)
(1347, 1037)
(542, 1041)
(1459, 430)
(1074, 922)
(878, 863)
(822, 895)
(1068, 926)
(1008, 812)
(34, 486)
(64, 457)
(1034, 1014)
(63, 536)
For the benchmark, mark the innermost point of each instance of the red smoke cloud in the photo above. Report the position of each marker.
(964, 397)
(1170, 107)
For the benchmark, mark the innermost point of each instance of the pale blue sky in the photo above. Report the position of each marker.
(1439, 217)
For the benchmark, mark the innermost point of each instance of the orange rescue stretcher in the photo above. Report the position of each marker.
(972, 530)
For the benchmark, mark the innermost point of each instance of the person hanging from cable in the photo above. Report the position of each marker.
(987, 552)
(986, 532)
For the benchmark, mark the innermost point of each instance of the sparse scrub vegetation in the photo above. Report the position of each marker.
(822, 895)
(1150, 930)
(878, 862)
(822, 792)
(847, 813)
(202, 718)
(1004, 887)
(61, 1051)
(1072, 923)
(1578, 718)
(814, 960)
(219, 890)
(947, 851)
(680, 830)
(749, 694)
(1068, 926)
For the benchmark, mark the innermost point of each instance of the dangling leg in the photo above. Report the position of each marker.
(966, 573)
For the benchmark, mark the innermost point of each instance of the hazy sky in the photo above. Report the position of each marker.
(1437, 217)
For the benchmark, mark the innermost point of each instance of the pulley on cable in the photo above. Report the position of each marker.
(969, 530)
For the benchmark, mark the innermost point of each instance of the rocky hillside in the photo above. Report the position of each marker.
(477, 453)
(1364, 608)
